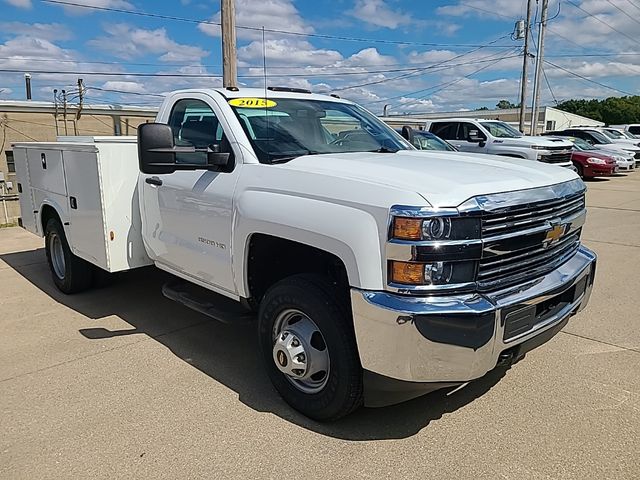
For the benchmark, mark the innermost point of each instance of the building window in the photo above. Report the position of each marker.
(551, 125)
(11, 163)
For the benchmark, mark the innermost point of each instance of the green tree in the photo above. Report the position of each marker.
(504, 104)
(612, 110)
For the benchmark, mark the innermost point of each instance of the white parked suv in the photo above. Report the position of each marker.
(619, 133)
(499, 138)
(617, 137)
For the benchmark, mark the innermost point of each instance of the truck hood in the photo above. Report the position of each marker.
(526, 142)
(620, 148)
(444, 179)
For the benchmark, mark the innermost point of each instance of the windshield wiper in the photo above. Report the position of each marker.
(290, 157)
(383, 150)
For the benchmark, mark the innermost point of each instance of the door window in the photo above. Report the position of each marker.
(445, 130)
(194, 124)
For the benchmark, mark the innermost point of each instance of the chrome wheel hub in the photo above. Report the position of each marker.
(57, 256)
(300, 352)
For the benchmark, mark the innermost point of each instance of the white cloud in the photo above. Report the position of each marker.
(79, 10)
(127, 42)
(270, 14)
(287, 52)
(379, 14)
(487, 8)
(131, 87)
(46, 31)
(20, 3)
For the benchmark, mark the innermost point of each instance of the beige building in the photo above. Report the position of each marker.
(28, 121)
(549, 118)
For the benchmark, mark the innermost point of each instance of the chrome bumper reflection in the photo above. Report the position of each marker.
(459, 338)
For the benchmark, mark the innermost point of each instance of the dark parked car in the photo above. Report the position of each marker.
(424, 140)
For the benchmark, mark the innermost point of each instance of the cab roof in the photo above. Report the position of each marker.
(277, 92)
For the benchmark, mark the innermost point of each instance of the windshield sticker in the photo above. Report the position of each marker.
(252, 103)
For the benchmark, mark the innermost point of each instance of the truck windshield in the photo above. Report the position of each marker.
(613, 134)
(599, 137)
(501, 130)
(281, 129)
(582, 145)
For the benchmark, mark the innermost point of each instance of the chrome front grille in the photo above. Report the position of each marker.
(525, 217)
(556, 157)
(523, 242)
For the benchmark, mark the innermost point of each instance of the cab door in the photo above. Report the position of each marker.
(462, 141)
(188, 215)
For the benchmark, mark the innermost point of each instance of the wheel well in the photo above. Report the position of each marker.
(272, 259)
(47, 212)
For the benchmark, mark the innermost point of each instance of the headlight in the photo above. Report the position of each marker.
(435, 228)
(538, 147)
(596, 161)
(431, 273)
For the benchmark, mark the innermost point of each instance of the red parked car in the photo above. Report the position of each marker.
(590, 163)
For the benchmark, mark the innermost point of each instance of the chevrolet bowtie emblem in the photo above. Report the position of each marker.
(555, 233)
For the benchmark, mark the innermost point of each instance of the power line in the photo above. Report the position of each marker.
(625, 13)
(444, 86)
(486, 11)
(125, 92)
(587, 79)
(633, 4)
(18, 131)
(417, 73)
(411, 71)
(602, 21)
(268, 30)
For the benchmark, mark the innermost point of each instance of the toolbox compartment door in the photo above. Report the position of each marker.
(86, 231)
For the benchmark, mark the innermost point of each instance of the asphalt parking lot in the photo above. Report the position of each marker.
(119, 382)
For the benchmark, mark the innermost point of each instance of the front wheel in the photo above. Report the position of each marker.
(71, 274)
(308, 346)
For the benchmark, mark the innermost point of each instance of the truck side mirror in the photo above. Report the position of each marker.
(474, 136)
(407, 133)
(155, 148)
(157, 152)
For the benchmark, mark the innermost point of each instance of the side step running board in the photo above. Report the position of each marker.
(209, 303)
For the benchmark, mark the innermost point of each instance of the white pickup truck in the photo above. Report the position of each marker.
(499, 138)
(374, 272)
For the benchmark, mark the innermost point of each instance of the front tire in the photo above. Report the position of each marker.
(309, 349)
(70, 273)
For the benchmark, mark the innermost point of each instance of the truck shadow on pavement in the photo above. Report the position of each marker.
(229, 353)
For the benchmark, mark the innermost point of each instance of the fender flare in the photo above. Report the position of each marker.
(314, 222)
(49, 202)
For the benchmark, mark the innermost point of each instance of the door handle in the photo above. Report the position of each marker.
(153, 181)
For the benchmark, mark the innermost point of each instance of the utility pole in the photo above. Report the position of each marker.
(525, 66)
(539, 64)
(229, 55)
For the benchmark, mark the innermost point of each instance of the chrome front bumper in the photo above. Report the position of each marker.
(460, 338)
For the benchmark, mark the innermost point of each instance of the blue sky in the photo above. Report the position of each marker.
(410, 55)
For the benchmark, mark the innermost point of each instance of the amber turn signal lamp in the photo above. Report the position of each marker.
(407, 228)
(407, 273)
